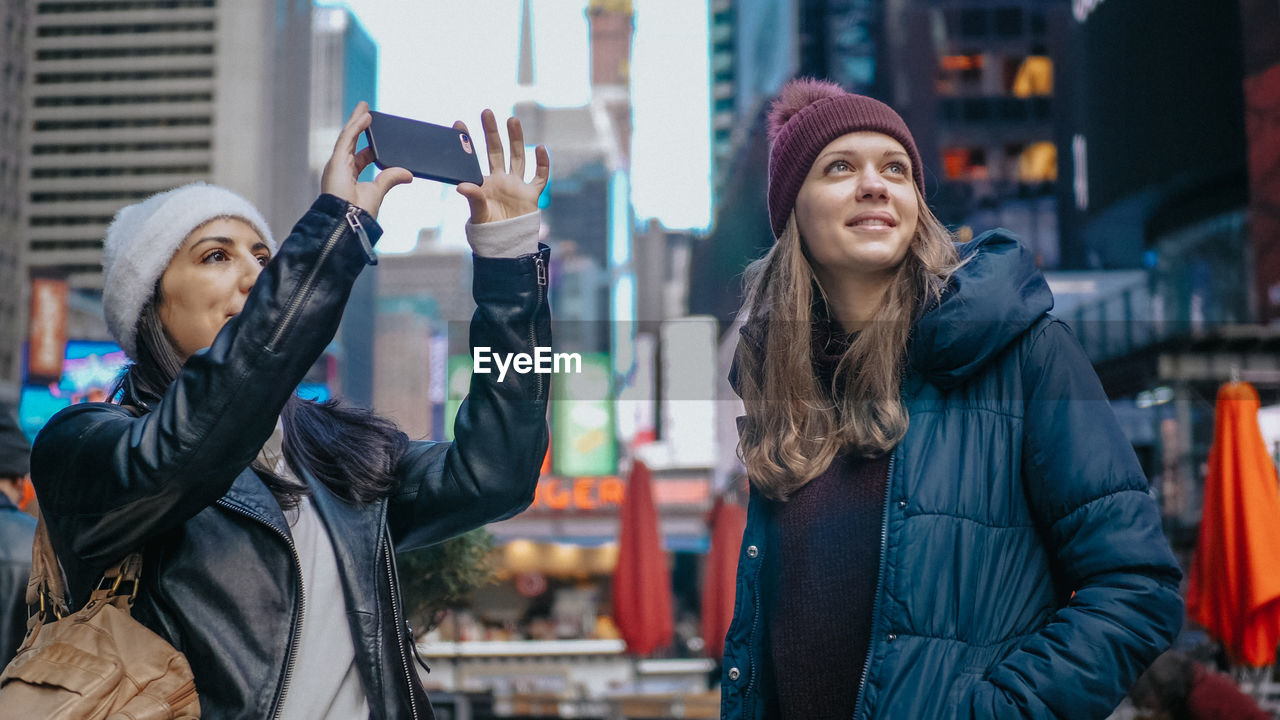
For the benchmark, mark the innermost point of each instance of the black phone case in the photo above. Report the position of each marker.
(433, 152)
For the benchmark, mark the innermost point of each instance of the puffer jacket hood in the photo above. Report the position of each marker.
(992, 300)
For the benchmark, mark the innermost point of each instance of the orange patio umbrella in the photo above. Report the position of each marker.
(1234, 589)
(728, 522)
(641, 581)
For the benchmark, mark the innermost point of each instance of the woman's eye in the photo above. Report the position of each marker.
(898, 168)
(263, 259)
(216, 256)
(839, 166)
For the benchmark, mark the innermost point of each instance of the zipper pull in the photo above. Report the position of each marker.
(414, 644)
(542, 270)
(353, 219)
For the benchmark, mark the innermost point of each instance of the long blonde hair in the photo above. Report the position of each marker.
(794, 427)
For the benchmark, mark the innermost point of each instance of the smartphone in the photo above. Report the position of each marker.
(433, 152)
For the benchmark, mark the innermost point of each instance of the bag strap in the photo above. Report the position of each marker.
(45, 582)
(47, 593)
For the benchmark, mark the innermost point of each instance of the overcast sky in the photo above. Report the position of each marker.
(442, 61)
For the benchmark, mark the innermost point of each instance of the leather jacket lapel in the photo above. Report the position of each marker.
(353, 530)
(248, 493)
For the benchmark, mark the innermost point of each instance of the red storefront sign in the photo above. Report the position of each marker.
(607, 492)
(48, 333)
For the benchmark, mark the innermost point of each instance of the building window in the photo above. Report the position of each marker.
(1008, 22)
(1032, 76)
(973, 23)
(116, 52)
(964, 163)
(975, 110)
(100, 124)
(1038, 24)
(50, 173)
(1013, 110)
(50, 245)
(83, 148)
(85, 100)
(108, 76)
(134, 29)
(1038, 163)
(970, 65)
(69, 220)
(124, 196)
(108, 6)
(858, 71)
(960, 74)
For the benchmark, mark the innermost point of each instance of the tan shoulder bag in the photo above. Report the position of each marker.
(98, 662)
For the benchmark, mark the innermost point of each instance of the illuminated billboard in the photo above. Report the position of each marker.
(582, 420)
(89, 369)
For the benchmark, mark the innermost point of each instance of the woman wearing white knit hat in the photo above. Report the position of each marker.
(268, 524)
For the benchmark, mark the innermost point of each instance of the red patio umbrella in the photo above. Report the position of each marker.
(641, 582)
(1234, 589)
(728, 522)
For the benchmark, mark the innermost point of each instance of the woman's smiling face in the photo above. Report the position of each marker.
(857, 209)
(208, 280)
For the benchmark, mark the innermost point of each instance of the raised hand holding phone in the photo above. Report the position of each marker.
(431, 152)
(505, 194)
(341, 172)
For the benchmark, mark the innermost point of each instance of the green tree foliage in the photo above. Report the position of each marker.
(436, 578)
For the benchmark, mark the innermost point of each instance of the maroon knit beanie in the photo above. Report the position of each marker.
(807, 115)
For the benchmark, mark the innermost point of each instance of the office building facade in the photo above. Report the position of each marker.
(132, 97)
(13, 77)
(344, 71)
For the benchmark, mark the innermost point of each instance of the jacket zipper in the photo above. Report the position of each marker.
(541, 266)
(298, 611)
(875, 605)
(751, 639)
(395, 621)
(353, 219)
(301, 293)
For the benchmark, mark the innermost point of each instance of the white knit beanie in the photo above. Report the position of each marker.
(143, 238)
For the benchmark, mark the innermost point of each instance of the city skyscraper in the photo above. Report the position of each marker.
(13, 59)
(587, 213)
(975, 83)
(424, 306)
(753, 52)
(344, 71)
(132, 97)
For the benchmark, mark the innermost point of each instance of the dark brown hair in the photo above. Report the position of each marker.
(350, 449)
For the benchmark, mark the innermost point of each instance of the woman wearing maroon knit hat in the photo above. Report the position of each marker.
(946, 521)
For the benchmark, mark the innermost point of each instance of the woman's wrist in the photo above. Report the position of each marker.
(508, 238)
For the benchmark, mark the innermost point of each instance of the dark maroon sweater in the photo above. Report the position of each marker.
(828, 560)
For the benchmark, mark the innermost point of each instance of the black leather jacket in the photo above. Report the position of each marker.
(221, 578)
(17, 529)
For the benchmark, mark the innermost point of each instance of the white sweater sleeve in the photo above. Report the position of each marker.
(505, 238)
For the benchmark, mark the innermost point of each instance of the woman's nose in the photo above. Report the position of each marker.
(871, 184)
(249, 271)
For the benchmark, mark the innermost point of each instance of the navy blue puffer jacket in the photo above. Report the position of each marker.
(1023, 570)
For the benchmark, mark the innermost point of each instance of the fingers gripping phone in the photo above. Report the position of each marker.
(433, 152)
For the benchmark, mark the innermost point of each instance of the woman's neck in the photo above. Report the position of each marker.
(855, 301)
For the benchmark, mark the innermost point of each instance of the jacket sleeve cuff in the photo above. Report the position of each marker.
(505, 238)
(335, 207)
